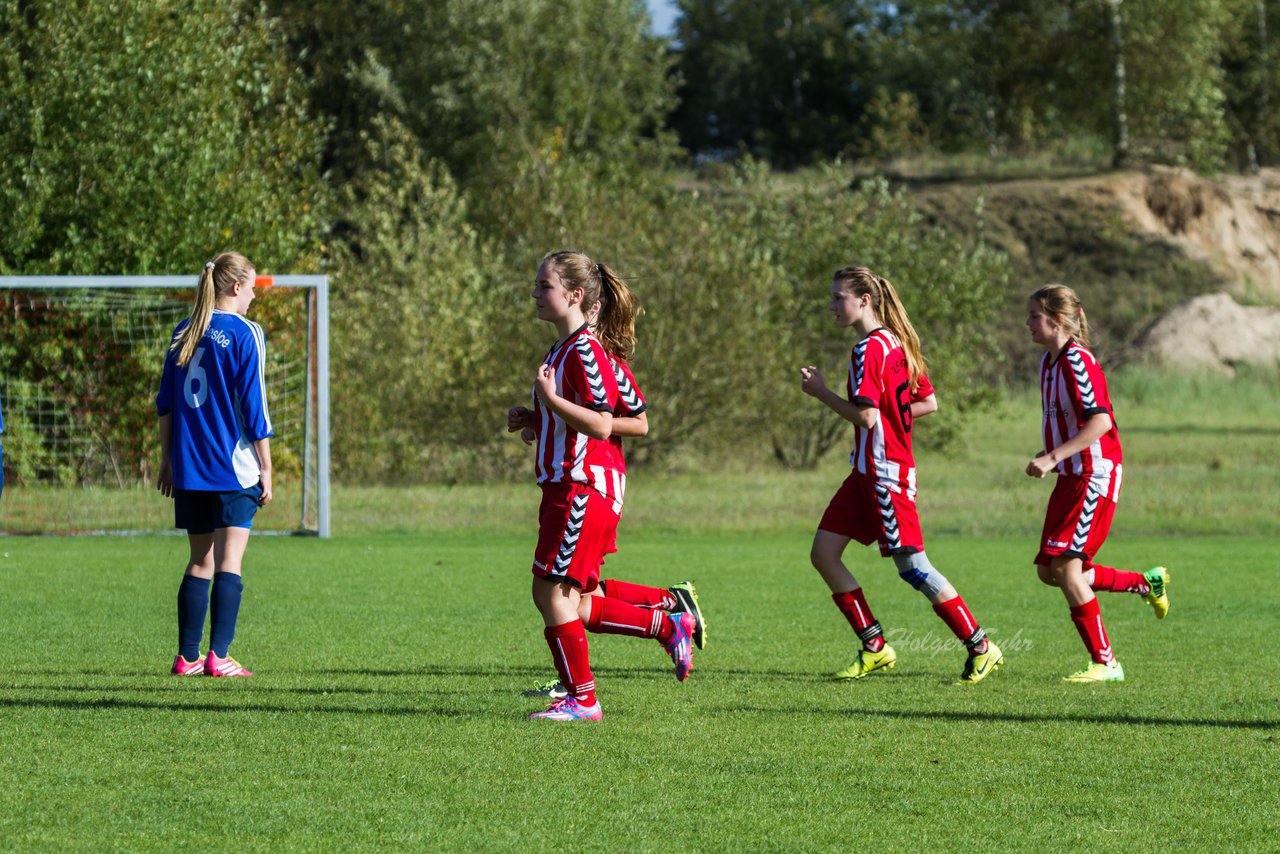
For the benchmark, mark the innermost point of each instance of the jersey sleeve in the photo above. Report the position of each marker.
(923, 388)
(630, 399)
(589, 376)
(251, 385)
(866, 364)
(1087, 386)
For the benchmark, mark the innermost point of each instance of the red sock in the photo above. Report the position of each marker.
(962, 624)
(568, 642)
(613, 617)
(1088, 620)
(1118, 580)
(638, 594)
(855, 609)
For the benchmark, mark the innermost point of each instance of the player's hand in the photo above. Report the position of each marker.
(1040, 465)
(811, 381)
(264, 480)
(545, 383)
(519, 418)
(527, 435)
(164, 481)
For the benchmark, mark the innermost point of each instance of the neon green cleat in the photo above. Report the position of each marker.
(687, 597)
(1158, 598)
(869, 662)
(978, 667)
(1098, 672)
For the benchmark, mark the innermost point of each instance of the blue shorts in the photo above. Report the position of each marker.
(201, 512)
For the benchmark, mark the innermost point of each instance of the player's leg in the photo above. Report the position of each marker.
(826, 555)
(229, 546)
(197, 513)
(1151, 585)
(1087, 618)
(984, 657)
(573, 532)
(230, 540)
(193, 603)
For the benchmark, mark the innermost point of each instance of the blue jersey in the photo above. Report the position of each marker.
(219, 406)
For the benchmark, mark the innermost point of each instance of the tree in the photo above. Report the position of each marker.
(142, 137)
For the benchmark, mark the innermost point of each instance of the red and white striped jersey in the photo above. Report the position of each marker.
(878, 377)
(1073, 388)
(584, 375)
(630, 401)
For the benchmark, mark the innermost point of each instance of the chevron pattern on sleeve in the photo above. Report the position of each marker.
(592, 369)
(626, 391)
(1076, 361)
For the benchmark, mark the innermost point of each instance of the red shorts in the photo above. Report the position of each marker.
(869, 512)
(576, 527)
(1077, 521)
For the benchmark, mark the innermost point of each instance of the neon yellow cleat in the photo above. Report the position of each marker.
(1098, 672)
(1158, 598)
(978, 667)
(869, 662)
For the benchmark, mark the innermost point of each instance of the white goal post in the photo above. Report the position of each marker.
(80, 362)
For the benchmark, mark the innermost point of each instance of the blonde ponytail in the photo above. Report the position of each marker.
(619, 308)
(218, 278)
(1063, 305)
(889, 310)
(615, 324)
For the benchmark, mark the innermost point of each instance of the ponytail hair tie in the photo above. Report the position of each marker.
(208, 265)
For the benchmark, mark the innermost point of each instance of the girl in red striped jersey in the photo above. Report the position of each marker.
(630, 419)
(1082, 446)
(583, 483)
(887, 390)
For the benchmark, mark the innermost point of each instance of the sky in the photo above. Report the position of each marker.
(663, 13)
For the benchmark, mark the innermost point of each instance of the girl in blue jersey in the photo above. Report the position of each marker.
(215, 455)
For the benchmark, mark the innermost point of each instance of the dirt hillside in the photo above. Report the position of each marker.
(1137, 245)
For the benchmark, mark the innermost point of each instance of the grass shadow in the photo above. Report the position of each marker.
(1012, 717)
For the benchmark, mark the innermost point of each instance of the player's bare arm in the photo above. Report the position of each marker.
(632, 426)
(263, 449)
(812, 383)
(1093, 429)
(924, 406)
(164, 482)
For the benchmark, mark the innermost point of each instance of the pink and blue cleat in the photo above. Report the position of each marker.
(569, 709)
(182, 667)
(214, 666)
(680, 647)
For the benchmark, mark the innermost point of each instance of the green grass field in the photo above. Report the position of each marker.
(387, 709)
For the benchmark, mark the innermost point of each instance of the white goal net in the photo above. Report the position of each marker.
(80, 362)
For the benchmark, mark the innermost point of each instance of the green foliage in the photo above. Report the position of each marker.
(420, 370)
(141, 137)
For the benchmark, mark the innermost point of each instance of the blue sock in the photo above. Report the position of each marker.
(225, 606)
(193, 601)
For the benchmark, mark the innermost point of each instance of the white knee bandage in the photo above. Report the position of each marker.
(916, 570)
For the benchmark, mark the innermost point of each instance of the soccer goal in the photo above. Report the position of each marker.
(80, 363)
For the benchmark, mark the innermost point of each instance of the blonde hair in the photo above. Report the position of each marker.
(888, 308)
(1063, 305)
(218, 278)
(615, 325)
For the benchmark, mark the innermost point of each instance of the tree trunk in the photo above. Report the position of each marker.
(1120, 152)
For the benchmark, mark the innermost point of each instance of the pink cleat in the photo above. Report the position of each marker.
(182, 667)
(569, 709)
(214, 666)
(680, 647)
